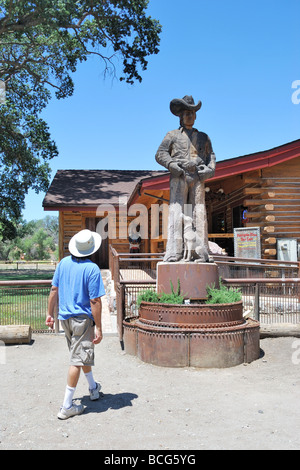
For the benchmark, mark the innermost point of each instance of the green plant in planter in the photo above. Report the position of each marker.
(150, 295)
(223, 294)
(147, 295)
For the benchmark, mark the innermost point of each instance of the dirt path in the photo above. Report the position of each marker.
(255, 406)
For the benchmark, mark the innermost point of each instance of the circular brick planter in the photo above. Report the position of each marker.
(198, 335)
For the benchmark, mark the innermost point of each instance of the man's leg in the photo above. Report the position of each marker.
(68, 409)
(72, 380)
(73, 376)
(89, 377)
(178, 195)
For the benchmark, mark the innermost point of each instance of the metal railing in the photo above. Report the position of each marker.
(28, 265)
(269, 297)
(269, 300)
(134, 266)
(242, 268)
(25, 303)
(270, 288)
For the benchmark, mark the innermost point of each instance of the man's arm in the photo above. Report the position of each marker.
(52, 303)
(96, 306)
(163, 156)
(207, 170)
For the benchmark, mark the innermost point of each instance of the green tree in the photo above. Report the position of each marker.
(37, 239)
(41, 44)
(38, 246)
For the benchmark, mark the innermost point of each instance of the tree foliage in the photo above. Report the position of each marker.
(41, 44)
(34, 240)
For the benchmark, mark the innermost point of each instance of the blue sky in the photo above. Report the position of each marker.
(238, 57)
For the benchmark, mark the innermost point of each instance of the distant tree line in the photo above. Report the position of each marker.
(35, 240)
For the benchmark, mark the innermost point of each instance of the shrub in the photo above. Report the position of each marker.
(222, 295)
(149, 295)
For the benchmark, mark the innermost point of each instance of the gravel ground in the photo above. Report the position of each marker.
(254, 406)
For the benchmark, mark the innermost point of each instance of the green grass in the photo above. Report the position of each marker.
(24, 305)
(26, 275)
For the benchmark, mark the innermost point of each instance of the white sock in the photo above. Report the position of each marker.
(91, 381)
(69, 393)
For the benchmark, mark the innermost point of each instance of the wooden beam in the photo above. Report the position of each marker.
(220, 235)
(279, 329)
(270, 251)
(271, 240)
(15, 334)
(267, 218)
(255, 215)
(258, 202)
(252, 180)
(263, 193)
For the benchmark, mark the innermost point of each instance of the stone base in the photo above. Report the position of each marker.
(194, 277)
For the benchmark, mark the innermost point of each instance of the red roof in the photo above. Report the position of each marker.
(86, 189)
(256, 161)
(237, 165)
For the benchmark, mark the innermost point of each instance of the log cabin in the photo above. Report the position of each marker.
(257, 190)
(84, 198)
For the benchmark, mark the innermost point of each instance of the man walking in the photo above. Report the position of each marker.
(77, 287)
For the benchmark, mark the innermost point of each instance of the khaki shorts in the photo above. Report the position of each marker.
(79, 333)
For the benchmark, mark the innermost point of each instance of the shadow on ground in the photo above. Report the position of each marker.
(108, 401)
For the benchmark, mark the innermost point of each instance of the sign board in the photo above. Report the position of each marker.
(247, 242)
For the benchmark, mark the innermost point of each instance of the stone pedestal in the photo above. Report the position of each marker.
(194, 278)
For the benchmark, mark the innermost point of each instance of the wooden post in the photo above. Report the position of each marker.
(256, 302)
(15, 334)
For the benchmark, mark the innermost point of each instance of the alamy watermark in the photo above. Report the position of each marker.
(296, 94)
(2, 92)
(2, 353)
(122, 222)
(296, 353)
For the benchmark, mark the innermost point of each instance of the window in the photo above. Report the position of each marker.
(218, 222)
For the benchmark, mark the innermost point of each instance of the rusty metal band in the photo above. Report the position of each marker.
(158, 329)
(191, 326)
(195, 313)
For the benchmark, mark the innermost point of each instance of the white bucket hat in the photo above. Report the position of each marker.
(84, 243)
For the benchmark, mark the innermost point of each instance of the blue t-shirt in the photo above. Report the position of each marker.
(78, 281)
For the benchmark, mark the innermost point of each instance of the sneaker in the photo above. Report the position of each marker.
(66, 413)
(95, 393)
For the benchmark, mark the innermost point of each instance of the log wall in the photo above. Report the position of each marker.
(272, 198)
(72, 222)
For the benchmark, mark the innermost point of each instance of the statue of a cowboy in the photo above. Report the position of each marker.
(188, 155)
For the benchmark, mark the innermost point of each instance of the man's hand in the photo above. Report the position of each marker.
(189, 166)
(50, 321)
(98, 335)
(175, 169)
(52, 305)
(96, 306)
